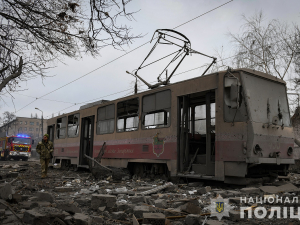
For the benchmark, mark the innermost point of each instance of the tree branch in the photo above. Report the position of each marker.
(14, 75)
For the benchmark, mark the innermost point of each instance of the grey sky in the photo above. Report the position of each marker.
(207, 34)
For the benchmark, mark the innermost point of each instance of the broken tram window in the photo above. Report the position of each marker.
(156, 110)
(106, 119)
(73, 125)
(127, 113)
(61, 127)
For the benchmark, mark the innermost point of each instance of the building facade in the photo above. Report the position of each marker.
(26, 126)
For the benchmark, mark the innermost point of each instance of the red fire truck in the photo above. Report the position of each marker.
(15, 147)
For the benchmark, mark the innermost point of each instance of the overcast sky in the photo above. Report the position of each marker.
(207, 34)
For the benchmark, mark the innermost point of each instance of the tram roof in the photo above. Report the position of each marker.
(254, 72)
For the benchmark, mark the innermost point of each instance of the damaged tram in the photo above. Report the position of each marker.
(232, 126)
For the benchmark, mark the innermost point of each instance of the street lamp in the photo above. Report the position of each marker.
(42, 120)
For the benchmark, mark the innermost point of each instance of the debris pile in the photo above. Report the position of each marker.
(69, 197)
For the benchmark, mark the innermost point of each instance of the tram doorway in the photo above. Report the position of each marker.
(196, 133)
(86, 140)
(50, 131)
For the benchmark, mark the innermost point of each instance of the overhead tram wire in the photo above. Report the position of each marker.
(51, 100)
(155, 81)
(142, 84)
(123, 91)
(128, 89)
(118, 58)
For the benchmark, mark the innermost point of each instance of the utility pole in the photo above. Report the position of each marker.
(42, 121)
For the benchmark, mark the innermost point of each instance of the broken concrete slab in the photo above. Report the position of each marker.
(99, 200)
(68, 207)
(44, 197)
(68, 220)
(234, 193)
(288, 188)
(135, 221)
(160, 203)
(204, 190)
(136, 199)
(118, 215)
(8, 213)
(17, 197)
(139, 210)
(6, 191)
(28, 205)
(51, 212)
(190, 208)
(101, 209)
(192, 219)
(269, 189)
(83, 201)
(82, 219)
(283, 188)
(154, 218)
(222, 193)
(34, 217)
(12, 220)
(251, 190)
(97, 220)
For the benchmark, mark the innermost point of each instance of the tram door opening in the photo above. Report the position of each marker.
(50, 131)
(86, 140)
(196, 133)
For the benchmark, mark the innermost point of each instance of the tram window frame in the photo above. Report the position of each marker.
(124, 116)
(59, 127)
(154, 104)
(73, 125)
(108, 118)
(202, 118)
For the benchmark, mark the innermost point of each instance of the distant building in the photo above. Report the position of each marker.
(24, 125)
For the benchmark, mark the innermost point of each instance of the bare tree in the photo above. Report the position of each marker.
(267, 46)
(34, 33)
(297, 55)
(8, 118)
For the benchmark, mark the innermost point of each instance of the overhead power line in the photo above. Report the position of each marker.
(99, 98)
(117, 58)
(51, 100)
(79, 103)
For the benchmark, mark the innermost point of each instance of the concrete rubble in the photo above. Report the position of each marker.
(78, 198)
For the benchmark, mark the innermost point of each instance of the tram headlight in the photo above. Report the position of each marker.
(290, 151)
